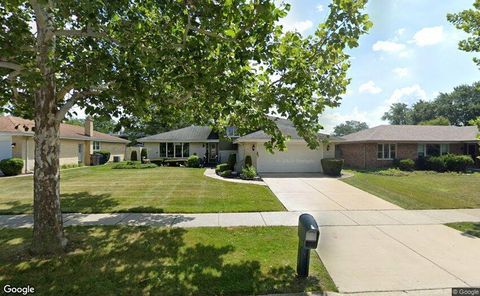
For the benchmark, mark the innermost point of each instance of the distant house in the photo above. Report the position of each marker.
(204, 142)
(77, 143)
(379, 146)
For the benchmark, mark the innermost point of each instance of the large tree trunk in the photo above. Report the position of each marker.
(48, 235)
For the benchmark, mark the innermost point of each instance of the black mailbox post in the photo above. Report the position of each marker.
(308, 236)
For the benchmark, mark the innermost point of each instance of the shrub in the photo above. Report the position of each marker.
(134, 165)
(193, 161)
(248, 161)
(232, 159)
(143, 154)
(248, 173)
(406, 165)
(11, 166)
(226, 174)
(457, 163)
(221, 168)
(158, 162)
(436, 163)
(390, 172)
(105, 156)
(332, 166)
(421, 163)
(71, 166)
(134, 156)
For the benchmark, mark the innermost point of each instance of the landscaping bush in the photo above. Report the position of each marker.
(436, 163)
(248, 173)
(226, 174)
(406, 165)
(11, 166)
(332, 166)
(248, 161)
(221, 168)
(458, 163)
(71, 166)
(158, 162)
(133, 156)
(391, 172)
(105, 156)
(134, 165)
(232, 159)
(193, 161)
(421, 163)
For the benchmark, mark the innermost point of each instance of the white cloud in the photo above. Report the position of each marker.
(400, 32)
(370, 88)
(388, 46)
(299, 26)
(320, 8)
(409, 94)
(400, 72)
(429, 36)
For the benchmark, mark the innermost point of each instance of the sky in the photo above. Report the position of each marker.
(410, 53)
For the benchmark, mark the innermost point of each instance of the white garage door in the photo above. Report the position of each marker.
(297, 159)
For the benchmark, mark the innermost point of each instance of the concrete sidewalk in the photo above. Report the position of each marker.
(323, 218)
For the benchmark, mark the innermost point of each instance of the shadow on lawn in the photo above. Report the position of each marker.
(122, 261)
(85, 202)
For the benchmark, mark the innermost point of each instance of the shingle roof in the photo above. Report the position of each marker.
(192, 133)
(19, 126)
(286, 127)
(414, 133)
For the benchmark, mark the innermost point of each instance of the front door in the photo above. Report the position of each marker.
(212, 152)
(80, 153)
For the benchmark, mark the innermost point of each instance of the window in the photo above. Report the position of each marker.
(232, 132)
(170, 150)
(386, 151)
(163, 149)
(96, 146)
(174, 150)
(424, 150)
(178, 149)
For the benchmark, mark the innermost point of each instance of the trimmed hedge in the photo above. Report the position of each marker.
(105, 156)
(332, 166)
(407, 165)
(11, 166)
(221, 168)
(232, 160)
(193, 161)
(143, 154)
(226, 174)
(449, 162)
(248, 161)
(134, 165)
(248, 173)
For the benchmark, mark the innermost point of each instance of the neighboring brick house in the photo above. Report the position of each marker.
(379, 146)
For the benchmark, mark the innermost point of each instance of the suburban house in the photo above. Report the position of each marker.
(379, 146)
(204, 142)
(76, 143)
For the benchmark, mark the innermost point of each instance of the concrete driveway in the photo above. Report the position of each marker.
(382, 254)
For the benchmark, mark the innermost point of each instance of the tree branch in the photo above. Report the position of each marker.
(40, 14)
(10, 65)
(63, 92)
(73, 100)
(84, 33)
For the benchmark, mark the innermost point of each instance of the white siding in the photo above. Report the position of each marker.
(198, 148)
(153, 150)
(5, 147)
(297, 159)
(224, 154)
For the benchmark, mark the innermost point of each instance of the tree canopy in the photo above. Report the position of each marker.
(457, 107)
(349, 127)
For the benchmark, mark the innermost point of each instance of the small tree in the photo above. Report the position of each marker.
(133, 155)
(143, 153)
(349, 127)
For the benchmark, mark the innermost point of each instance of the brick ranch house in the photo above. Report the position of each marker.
(379, 146)
(77, 143)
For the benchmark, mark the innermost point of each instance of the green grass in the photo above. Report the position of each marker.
(422, 190)
(158, 261)
(470, 228)
(102, 189)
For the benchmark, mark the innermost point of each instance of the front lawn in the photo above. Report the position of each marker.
(102, 189)
(159, 261)
(470, 228)
(422, 190)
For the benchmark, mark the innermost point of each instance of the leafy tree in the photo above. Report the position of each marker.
(423, 111)
(475, 122)
(436, 121)
(100, 124)
(461, 105)
(398, 114)
(214, 61)
(350, 126)
(469, 22)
